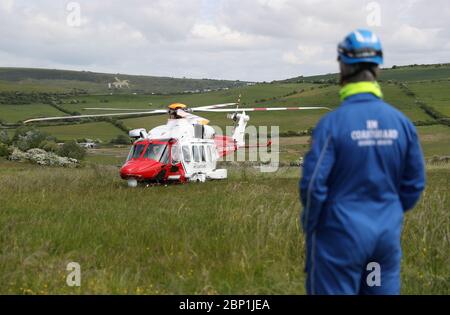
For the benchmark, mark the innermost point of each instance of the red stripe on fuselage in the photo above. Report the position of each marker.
(225, 145)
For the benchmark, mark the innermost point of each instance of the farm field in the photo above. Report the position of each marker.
(435, 140)
(15, 113)
(435, 94)
(98, 130)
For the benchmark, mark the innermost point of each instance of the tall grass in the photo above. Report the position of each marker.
(239, 236)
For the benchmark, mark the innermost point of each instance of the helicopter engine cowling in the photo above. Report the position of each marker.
(209, 132)
(138, 133)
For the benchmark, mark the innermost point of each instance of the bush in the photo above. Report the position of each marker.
(4, 150)
(72, 150)
(4, 138)
(27, 138)
(121, 139)
(49, 146)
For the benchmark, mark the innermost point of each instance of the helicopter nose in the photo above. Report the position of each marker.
(140, 169)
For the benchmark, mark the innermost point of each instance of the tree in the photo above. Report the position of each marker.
(4, 138)
(4, 150)
(27, 138)
(71, 149)
(121, 139)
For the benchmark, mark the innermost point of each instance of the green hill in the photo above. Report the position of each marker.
(51, 80)
(396, 73)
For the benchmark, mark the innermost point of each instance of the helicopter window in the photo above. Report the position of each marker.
(202, 150)
(209, 153)
(136, 151)
(154, 151)
(186, 154)
(165, 156)
(175, 154)
(195, 153)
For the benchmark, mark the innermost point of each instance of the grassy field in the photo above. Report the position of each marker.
(99, 130)
(52, 86)
(229, 237)
(308, 95)
(404, 74)
(435, 94)
(249, 95)
(15, 113)
(260, 95)
(435, 140)
(406, 104)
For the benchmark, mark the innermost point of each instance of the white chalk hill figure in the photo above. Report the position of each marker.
(118, 84)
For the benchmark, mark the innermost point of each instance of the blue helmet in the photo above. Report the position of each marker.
(361, 46)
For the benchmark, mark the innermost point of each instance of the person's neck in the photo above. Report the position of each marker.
(363, 76)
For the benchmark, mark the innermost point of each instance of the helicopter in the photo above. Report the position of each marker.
(186, 148)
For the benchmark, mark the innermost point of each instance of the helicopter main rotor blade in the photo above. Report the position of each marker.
(256, 109)
(111, 109)
(141, 109)
(214, 106)
(155, 112)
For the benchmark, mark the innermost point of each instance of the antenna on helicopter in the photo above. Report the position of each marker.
(234, 115)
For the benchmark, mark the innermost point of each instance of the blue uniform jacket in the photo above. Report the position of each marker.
(365, 159)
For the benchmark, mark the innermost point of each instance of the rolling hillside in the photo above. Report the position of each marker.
(396, 73)
(415, 98)
(50, 80)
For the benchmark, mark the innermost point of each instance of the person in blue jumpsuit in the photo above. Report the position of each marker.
(364, 170)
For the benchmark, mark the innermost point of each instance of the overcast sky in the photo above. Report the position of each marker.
(251, 40)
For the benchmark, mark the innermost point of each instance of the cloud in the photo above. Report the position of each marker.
(235, 39)
(410, 38)
(304, 54)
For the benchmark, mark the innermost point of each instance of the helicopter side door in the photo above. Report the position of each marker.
(176, 170)
(187, 159)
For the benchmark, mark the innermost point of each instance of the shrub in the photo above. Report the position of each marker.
(121, 139)
(27, 138)
(4, 138)
(71, 149)
(4, 150)
(49, 146)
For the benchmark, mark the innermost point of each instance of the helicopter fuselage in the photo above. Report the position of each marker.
(176, 152)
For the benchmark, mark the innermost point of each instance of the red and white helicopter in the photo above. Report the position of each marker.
(186, 148)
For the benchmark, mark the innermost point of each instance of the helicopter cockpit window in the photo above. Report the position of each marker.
(186, 154)
(155, 151)
(136, 151)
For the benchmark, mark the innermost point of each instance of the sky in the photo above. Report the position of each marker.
(251, 40)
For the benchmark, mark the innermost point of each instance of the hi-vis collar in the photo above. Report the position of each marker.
(359, 88)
